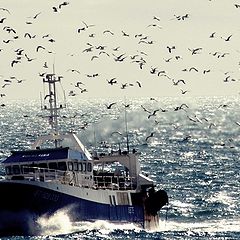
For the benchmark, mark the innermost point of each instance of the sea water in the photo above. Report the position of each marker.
(193, 154)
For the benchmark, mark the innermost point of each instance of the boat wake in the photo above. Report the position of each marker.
(60, 223)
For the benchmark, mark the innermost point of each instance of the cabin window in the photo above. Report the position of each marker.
(70, 166)
(8, 170)
(75, 166)
(89, 167)
(62, 166)
(43, 165)
(80, 167)
(24, 169)
(53, 165)
(16, 169)
(84, 167)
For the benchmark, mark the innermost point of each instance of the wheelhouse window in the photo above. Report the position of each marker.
(42, 166)
(24, 169)
(70, 166)
(80, 167)
(16, 169)
(62, 166)
(75, 166)
(89, 167)
(8, 170)
(53, 165)
(84, 167)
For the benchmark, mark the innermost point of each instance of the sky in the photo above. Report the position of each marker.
(146, 47)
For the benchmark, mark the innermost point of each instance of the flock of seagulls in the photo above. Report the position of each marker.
(105, 45)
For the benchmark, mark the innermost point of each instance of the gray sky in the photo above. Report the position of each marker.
(152, 28)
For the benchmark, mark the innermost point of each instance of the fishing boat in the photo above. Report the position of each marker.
(58, 172)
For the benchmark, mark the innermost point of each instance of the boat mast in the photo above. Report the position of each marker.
(50, 102)
(126, 127)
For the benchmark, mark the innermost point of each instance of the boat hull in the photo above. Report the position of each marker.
(22, 204)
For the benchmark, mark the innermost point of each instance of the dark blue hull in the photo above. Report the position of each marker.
(22, 204)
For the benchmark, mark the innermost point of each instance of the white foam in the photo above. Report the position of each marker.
(58, 223)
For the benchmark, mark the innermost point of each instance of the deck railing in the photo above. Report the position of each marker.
(100, 181)
(114, 182)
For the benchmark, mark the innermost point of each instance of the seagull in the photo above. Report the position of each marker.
(29, 35)
(5, 9)
(55, 9)
(124, 86)
(151, 135)
(8, 29)
(145, 109)
(206, 71)
(116, 132)
(73, 70)
(35, 16)
(181, 107)
(40, 47)
(156, 18)
(29, 59)
(2, 20)
(116, 48)
(238, 123)
(108, 31)
(163, 110)
(103, 52)
(14, 62)
(45, 36)
(78, 84)
(7, 41)
(185, 16)
(125, 34)
(170, 48)
(89, 49)
(119, 58)
(93, 57)
(63, 4)
(139, 84)
(193, 68)
(51, 40)
(72, 93)
(6, 84)
(212, 35)
(110, 105)
(41, 74)
(211, 125)
(88, 26)
(227, 39)
(183, 91)
(178, 81)
(83, 90)
(153, 113)
(153, 70)
(48, 95)
(154, 25)
(195, 51)
(112, 81)
(45, 65)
